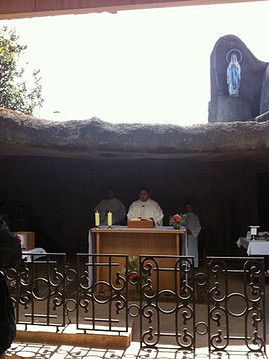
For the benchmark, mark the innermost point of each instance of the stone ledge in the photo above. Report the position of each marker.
(21, 135)
(71, 336)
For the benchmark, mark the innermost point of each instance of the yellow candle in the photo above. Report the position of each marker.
(97, 219)
(109, 219)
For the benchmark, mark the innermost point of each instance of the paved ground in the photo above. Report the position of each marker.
(19, 350)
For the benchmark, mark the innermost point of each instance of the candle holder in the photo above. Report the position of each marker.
(253, 232)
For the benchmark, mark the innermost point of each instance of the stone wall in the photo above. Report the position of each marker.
(59, 195)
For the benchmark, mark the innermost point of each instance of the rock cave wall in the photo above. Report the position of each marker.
(59, 195)
(59, 172)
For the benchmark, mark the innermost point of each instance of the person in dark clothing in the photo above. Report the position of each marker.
(4, 215)
(7, 318)
(10, 256)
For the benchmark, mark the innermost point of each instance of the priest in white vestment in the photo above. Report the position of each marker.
(193, 228)
(146, 208)
(114, 205)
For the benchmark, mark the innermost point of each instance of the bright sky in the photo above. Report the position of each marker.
(143, 66)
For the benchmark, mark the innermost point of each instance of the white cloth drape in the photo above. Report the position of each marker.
(193, 224)
(33, 254)
(254, 248)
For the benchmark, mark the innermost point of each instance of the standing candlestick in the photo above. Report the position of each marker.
(97, 219)
(109, 219)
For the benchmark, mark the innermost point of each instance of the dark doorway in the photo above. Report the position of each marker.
(263, 201)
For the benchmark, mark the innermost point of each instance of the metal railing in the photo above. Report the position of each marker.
(231, 296)
(236, 315)
(38, 290)
(103, 292)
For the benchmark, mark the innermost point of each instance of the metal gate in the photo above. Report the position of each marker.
(220, 306)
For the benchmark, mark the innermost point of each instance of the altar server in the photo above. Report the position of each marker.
(146, 208)
(114, 205)
(193, 227)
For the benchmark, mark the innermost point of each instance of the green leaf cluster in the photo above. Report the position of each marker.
(15, 93)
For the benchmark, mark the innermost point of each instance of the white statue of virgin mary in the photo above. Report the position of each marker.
(233, 76)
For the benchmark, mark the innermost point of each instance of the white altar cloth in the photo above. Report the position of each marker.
(254, 248)
(34, 253)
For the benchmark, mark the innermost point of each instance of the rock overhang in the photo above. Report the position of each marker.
(22, 135)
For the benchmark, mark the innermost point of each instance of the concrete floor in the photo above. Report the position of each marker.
(40, 350)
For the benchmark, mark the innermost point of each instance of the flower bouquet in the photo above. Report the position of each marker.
(177, 220)
(132, 273)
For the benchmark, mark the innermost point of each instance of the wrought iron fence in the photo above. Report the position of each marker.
(38, 290)
(167, 297)
(176, 304)
(236, 315)
(225, 302)
(102, 293)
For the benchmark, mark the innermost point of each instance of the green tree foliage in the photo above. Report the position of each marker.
(15, 93)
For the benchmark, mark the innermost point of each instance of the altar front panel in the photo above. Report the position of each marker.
(135, 242)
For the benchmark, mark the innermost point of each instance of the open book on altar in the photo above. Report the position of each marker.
(140, 223)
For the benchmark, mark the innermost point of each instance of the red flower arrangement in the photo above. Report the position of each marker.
(133, 270)
(132, 277)
(177, 220)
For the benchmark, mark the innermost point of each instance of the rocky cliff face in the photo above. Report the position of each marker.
(24, 135)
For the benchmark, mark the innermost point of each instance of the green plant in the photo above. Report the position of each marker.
(15, 92)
